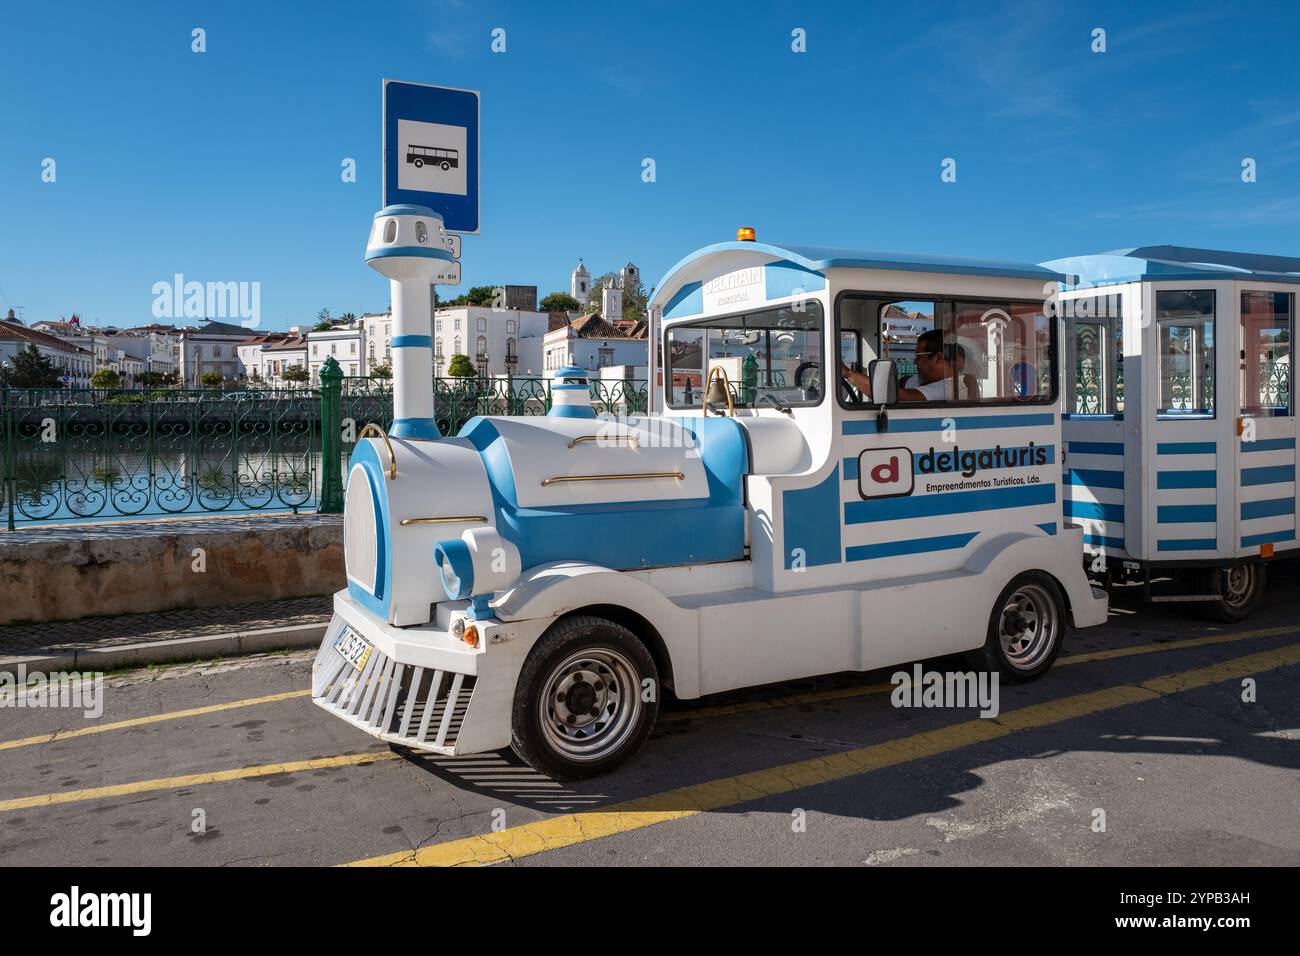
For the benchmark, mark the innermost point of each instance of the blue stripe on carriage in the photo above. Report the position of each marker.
(1094, 477)
(1185, 514)
(1049, 527)
(851, 469)
(1268, 444)
(1096, 447)
(949, 503)
(1187, 544)
(1093, 510)
(867, 426)
(1185, 479)
(1185, 448)
(892, 549)
(412, 342)
(1101, 541)
(1268, 509)
(1267, 537)
(1269, 475)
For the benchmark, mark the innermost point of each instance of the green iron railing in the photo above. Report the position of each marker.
(80, 454)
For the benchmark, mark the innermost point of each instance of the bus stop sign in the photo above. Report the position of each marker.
(431, 151)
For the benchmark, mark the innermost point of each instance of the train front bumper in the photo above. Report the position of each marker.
(418, 687)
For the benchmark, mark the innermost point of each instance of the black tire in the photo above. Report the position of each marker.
(419, 164)
(1242, 587)
(446, 166)
(1031, 600)
(599, 666)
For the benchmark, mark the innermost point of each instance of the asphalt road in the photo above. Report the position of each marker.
(1145, 731)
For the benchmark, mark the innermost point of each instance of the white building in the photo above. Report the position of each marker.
(214, 347)
(76, 363)
(593, 344)
(278, 356)
(497, 341)
(347, 345)
(378, 327)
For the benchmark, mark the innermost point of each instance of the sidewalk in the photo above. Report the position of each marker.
(134, 640)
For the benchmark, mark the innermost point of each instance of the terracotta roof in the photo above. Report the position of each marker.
(293, 342)
(23, 334)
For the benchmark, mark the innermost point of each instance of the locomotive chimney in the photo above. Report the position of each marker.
(409, 246)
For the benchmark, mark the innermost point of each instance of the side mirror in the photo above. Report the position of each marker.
(884, 383)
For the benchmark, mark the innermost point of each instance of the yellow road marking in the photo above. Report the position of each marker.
(574, 828)
(722, 710)
(152, 719)
(192, 780)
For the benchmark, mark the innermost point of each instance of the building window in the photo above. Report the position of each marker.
(456, 327)
(482, 325)
(510, 326)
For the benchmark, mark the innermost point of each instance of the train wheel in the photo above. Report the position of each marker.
(1241, 588)
(580, 707)
(1026, 629)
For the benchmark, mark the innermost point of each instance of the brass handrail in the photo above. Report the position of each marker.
(715, 372)
(452, 520)
(629, 438)
(644, 474)
(373, 429)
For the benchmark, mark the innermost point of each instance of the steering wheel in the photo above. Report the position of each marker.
(813, 384)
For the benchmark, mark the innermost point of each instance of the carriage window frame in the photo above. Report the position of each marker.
(1111, 352)
(707, 324)
(949, 303)
(1164, 414)
(1260, 410)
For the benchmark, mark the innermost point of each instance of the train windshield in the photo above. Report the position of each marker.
(769, 358)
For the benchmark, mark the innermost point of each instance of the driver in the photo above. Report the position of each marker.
(933, 381)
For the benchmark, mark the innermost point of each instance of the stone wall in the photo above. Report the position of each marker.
(75, 571)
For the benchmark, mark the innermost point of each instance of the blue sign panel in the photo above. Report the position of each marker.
(431, 151)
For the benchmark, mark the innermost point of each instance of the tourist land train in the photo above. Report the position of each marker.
(785, 509)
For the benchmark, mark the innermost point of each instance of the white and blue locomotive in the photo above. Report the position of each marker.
(540, 581)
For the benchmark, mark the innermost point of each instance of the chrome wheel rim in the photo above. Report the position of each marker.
(1028, 627)
(590, 704)
(1238, 583)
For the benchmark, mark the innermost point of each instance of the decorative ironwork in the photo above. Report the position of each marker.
(72, 454)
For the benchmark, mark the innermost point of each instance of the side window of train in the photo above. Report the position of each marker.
(1094, 362)
(1185, 338)
(1266, 322)
(1005, 352)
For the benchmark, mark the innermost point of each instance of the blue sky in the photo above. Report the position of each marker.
(224, 166)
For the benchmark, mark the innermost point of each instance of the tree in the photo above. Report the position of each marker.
(347, 318)
(560, 302)
(31, 369)
(153, 379)
(461, 367)
(382, 371)
(211, 379)
(477, 295)
(635, 299)
(323, 317)
(105, 378)
(295, 373)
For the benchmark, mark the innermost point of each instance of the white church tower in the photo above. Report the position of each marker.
(611, 302)
(630, 275)
(580, 285)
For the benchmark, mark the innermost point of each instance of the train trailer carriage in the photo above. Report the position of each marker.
(1180, 428)
(852, 461)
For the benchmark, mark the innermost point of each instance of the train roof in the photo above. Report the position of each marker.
(1151, 263)
(821, 258)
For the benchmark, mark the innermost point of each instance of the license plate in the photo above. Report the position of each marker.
(354, 648)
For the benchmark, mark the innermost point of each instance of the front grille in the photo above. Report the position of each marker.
(413, 706)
